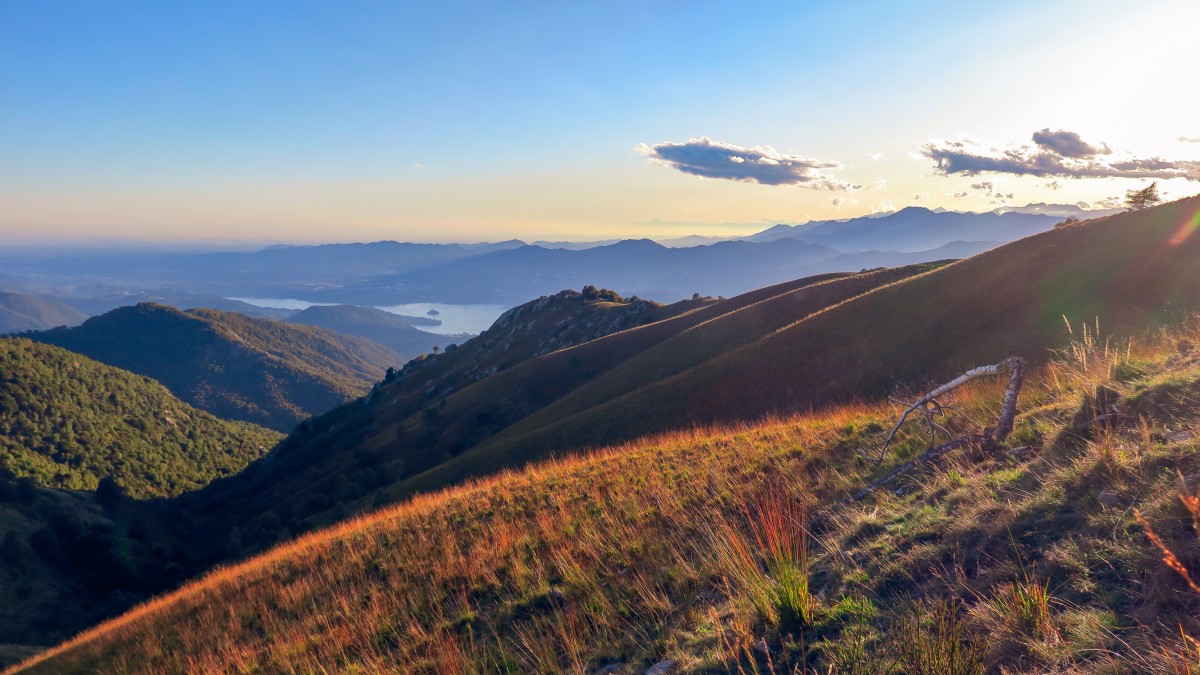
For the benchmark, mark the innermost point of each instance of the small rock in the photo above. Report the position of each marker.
(661, 668)
(1108, 498)
(1019, 451)
(610, 669)
(1176, 436)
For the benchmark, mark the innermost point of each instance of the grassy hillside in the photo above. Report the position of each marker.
(448, 417)
(233, 366)
(439, 407)
(734, 549)
(792, 347)
(22, 312)
(67, 421)
(1129, 272)
(397, 333)
(722, 329)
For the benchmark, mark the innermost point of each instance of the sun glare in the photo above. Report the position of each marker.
(1186, 230)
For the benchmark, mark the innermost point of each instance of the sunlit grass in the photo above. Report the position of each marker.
(731, 549)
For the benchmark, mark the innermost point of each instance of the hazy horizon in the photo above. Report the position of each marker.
(679, 231)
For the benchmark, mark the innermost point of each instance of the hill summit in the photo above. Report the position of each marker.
(236, 367)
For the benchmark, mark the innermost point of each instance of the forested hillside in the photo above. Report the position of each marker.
(67, 421)
(256, 370)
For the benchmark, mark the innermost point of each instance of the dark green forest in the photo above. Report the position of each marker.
(67, 421)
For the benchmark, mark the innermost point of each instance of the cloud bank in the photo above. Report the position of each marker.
(761, 164)
(1056, 154)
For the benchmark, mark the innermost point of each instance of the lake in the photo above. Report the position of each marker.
(454, 318)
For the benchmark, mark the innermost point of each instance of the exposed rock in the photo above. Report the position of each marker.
(1108, 499)
(1177, 436)
(661, 668)
(1019, 451)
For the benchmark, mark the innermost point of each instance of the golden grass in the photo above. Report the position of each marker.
(696, 546)
(622, 533)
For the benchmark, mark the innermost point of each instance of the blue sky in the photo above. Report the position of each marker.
(336, 121)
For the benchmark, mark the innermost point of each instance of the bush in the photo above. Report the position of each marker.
(593, 294)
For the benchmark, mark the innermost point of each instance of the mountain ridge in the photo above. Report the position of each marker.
(234, 366)
(21, 312)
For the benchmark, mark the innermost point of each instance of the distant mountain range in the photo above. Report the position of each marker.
(264, 273)
(270, 373)
(511, 272)
(974, 227)
(912, 229)
(633, 267)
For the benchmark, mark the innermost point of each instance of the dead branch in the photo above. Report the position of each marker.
(1008, 412)
(929, 404)
(988, 439)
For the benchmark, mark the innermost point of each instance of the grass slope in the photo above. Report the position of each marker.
(67, 421)
(233, 366)
(339, 463)
(1129, 272)
(328, 464)
(722, 329)
(731, 549)
(21, 312)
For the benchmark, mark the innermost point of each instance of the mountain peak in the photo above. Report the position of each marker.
(638, 244)
(913, 211)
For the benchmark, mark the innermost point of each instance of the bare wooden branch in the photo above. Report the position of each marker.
(1008, 412)
(1013, 364)
(929, 404)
